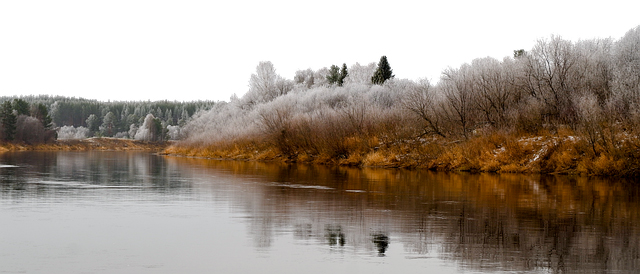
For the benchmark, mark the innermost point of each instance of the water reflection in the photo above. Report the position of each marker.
(334, 235)
(47, 174)
(485, 222)
(382, 243)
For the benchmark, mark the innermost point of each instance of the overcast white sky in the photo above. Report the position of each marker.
(190, 50)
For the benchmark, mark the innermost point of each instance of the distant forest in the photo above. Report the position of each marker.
(36, 119)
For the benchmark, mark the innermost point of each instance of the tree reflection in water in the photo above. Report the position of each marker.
(334, 235)
(487, 221)
(382, 242)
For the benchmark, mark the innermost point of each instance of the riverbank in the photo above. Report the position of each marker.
(105, 144)
(562, 152)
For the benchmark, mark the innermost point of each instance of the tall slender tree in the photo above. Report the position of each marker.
(41, 112)
(383, 72)
(108, 124)
(8, 121)
(343, 74)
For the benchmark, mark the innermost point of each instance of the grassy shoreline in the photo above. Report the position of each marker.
(559, 153)
(103, 144)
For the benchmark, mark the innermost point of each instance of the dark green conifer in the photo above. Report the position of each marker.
(42, 114)
(383, 72)
(8, 121)
(334, 75)
(21, 107)
(343, 74)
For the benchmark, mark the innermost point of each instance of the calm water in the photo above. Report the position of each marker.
(123, 212)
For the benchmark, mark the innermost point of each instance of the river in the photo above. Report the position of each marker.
(135, 212)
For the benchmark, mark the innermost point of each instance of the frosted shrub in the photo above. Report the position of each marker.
(174, 132)
(359, 74)
(223, 123)
(121, 135)
(72, 133)
(147, 132)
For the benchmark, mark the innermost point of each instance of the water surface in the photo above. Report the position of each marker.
(133, 212)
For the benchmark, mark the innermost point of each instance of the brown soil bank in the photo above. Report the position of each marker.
(558, 153)
(89, 144)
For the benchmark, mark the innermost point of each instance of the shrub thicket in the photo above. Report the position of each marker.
(561, 107)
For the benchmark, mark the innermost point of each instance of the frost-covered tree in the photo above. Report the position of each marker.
(133, 129)
(320, 77)
(359, 74)
(304, 78)
(283, 86)
(383, 72)
(151, 130)
(626, 71)
(421, 99)
(262, 85)
(551, 76)
(594, 68)
(494, 92)
(174, 132)
(458, 89)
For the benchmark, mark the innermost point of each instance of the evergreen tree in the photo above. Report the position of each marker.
(41, 112)
(21, 107)
(334, 75)
(343, 74)
(108, 124)
(159, 129)
(169, 117)
(8, 121)
(383, 72)
(93, 124)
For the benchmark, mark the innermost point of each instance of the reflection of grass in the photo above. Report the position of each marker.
(88, 144)
(509, 219)
(557, 195)
(558, 153)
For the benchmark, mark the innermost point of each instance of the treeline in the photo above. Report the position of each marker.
(77, 118)
(583, 93)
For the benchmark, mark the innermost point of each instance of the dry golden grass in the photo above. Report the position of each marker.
(266, 155)
(376, 159)
(354, 159)
(561, 152)
(88, 144)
